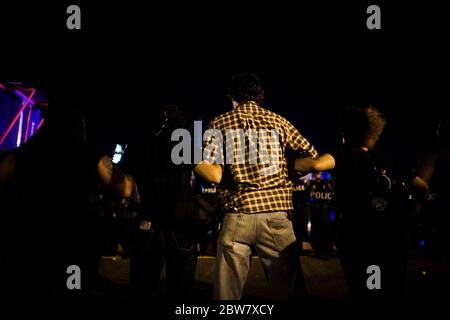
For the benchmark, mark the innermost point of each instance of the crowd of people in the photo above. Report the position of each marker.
(50, 187)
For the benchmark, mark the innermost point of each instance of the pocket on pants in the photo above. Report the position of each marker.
(282, 232)
(228, 233)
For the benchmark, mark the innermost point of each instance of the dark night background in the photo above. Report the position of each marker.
(313, 60)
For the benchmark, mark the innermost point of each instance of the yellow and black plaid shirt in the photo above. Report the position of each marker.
(258, 183)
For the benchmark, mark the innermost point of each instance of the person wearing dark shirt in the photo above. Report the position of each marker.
(51, 222)
(164, 231)
(371, 222)
(433, 176)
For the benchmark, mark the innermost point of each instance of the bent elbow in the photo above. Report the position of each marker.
(210, 172)
(216, 178)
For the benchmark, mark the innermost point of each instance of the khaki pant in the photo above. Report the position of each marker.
(271, 235)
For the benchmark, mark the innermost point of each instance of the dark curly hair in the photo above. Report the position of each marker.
(362, 126)
(246, 87)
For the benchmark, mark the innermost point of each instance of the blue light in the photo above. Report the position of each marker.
(332, 215)
(326, 175)
(422, 243)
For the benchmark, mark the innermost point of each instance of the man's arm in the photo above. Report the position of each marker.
(306, 165)
(210, 169)
(297, 143)
(424, 173)
(425, 170)
(306, 153)
(111, 176)
(210, 172)
(324, 162)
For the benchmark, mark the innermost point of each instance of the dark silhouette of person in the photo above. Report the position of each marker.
(164, 230)
(52, 223)
(433, 176)
(370, 207)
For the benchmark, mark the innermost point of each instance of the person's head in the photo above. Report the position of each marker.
(245, 87)
(361, 127)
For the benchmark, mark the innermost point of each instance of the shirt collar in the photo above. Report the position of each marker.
(248, 104)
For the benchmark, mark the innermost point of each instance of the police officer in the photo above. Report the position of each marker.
(321, 196)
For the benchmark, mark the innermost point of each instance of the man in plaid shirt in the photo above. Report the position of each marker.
(244, 153)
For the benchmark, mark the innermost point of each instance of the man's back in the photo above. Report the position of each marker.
(255, 173)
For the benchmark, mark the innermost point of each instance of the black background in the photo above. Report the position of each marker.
(314, 60)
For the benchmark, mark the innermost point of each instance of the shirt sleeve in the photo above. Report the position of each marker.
(213, 144)
(297, 143)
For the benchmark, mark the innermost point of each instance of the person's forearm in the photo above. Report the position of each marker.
(210, 172)
(113, 177)
(419, 183)
(127, 187)
(324, 162)
(306, 165)
(425, 170)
